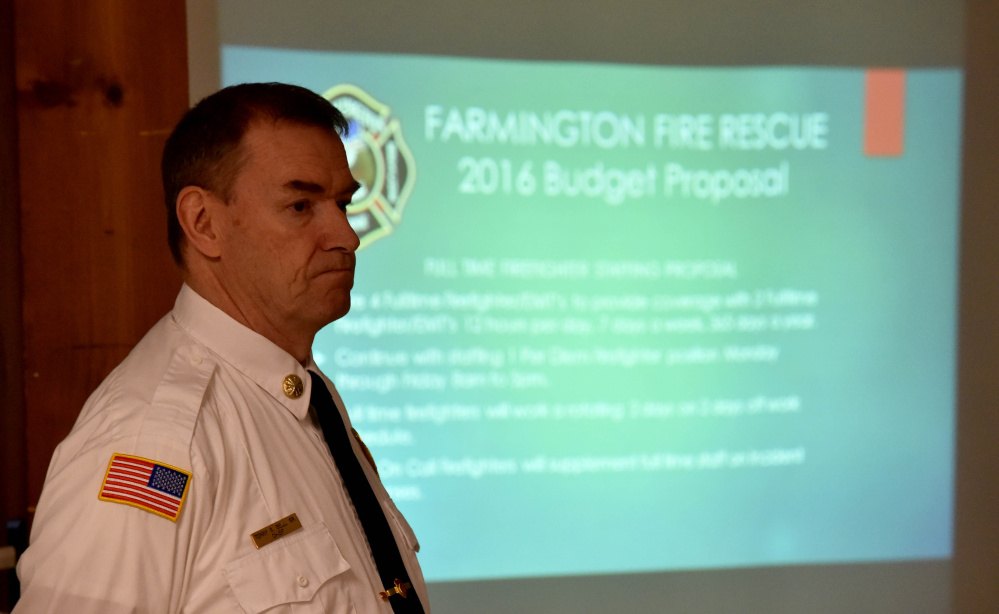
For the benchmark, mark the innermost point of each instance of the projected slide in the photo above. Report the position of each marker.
(619, 319)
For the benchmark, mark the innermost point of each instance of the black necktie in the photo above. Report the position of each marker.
(385, 551)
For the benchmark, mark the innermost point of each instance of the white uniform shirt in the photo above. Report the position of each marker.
(204, 394)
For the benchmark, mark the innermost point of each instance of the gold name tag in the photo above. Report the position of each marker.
(276, 531)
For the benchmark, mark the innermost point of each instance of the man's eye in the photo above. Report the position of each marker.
(343, 204)
(300, 206)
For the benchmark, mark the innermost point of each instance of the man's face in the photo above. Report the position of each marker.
(287, 256)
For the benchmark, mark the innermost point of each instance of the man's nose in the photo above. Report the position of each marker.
(338, 233)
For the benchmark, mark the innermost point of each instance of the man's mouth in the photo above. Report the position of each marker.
(343, 263)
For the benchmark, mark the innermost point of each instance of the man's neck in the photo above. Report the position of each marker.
(210, 289)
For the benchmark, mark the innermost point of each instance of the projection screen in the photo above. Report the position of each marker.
(655, 307)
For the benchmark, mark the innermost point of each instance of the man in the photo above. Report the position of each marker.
(213, 470)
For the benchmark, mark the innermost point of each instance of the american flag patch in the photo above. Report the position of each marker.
(145, 484)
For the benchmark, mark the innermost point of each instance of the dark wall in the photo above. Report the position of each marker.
(13, 482)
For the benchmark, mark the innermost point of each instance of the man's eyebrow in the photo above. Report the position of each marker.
(299, 185)
(303, 186)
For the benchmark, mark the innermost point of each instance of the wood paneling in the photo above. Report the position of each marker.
(976, 546)
(99, 85)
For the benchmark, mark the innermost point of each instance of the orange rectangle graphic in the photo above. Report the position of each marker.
(884, 112)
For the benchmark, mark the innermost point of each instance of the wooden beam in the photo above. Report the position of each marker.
(99, 84)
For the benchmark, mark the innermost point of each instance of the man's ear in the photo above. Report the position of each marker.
(197, 210)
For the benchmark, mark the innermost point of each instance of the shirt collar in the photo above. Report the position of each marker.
(250, 353)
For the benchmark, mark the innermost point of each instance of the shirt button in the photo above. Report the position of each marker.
(303, 581)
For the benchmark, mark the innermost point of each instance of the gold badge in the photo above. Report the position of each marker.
(401, 588)
(276, 531)
(293, 386)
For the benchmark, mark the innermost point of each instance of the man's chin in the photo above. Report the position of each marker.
(336, 310)
(341, 312)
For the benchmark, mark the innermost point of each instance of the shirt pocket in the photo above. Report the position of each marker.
(290, 573)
